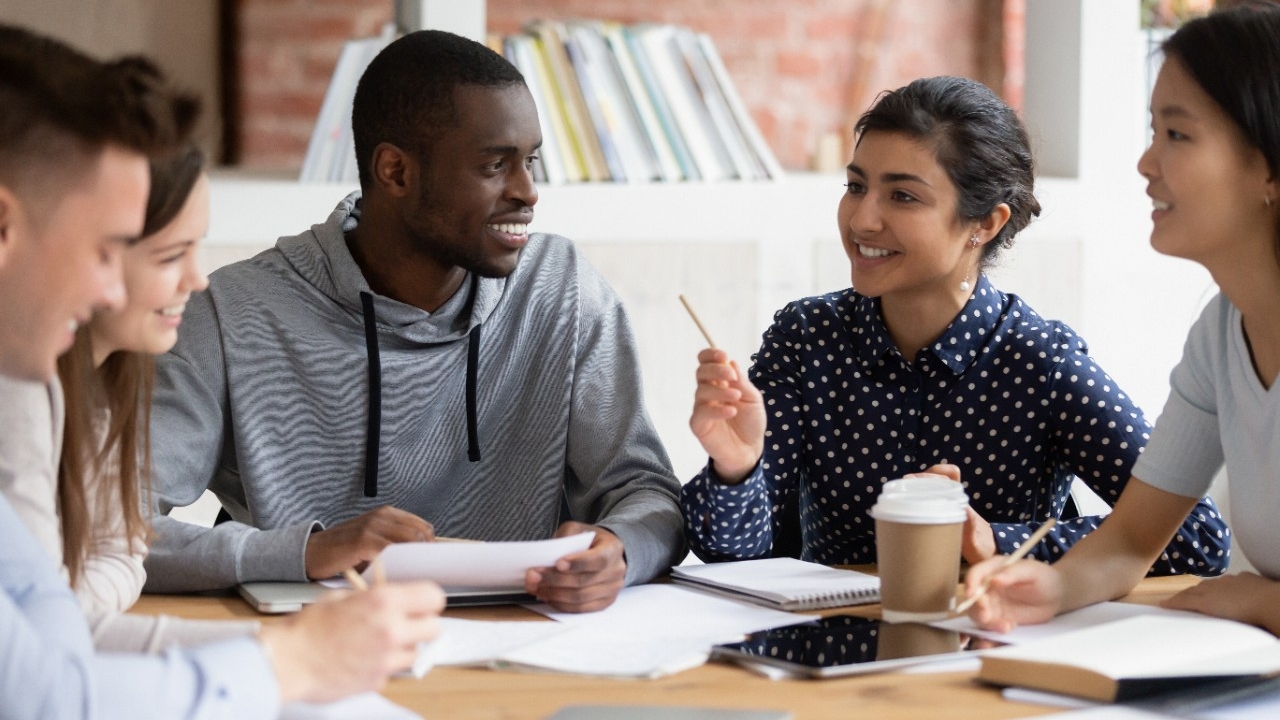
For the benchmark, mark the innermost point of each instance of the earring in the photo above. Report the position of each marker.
(964, 284)
(973, 239)
(1267, 199)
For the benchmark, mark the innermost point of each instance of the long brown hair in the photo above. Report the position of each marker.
(118, 453)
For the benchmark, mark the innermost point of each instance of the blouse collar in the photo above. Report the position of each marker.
(957, 347)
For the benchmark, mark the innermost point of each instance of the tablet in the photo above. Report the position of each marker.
(840, 645)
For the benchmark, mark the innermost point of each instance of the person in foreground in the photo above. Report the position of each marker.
(923, 365)
(86, 511)
(75, 135)
(1212, 174)
(416, 364)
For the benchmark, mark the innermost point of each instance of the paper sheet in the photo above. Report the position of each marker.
(476, 564)
(1086, 617)
(650, 631)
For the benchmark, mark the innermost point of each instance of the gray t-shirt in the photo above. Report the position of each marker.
(1218, 410)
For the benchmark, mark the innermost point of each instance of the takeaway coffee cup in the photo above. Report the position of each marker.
(919, 524)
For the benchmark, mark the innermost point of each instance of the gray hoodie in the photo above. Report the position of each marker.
(277, 400)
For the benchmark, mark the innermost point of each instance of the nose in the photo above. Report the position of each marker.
(193, 277)
(112, 295)
(864, 215)
(521, 186)
(1146, 163)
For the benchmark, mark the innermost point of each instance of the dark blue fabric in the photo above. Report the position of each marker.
(1011, 398)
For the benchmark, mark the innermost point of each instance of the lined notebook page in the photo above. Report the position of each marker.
(785, 583)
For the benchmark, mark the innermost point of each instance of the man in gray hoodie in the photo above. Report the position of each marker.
(418, 364)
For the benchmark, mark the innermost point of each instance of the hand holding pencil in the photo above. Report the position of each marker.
(1005, 591)
(728, 411)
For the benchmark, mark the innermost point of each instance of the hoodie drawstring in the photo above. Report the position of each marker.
(374, 433)
(473, 361)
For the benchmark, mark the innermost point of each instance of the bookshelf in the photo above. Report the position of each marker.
(740, 250)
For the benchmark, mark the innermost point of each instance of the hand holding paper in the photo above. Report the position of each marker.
(582, 581)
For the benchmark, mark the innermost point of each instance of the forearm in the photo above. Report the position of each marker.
(727, 522)
(191, 558)
(1109, 562)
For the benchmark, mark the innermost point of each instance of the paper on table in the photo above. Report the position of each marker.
(365, 706)
(479, 642)
(478, 565)
(649, 631)
(672, 611)
(1085, 617)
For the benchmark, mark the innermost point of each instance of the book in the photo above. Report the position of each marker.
(661, 106)
(520, 51)
(551, 40)
(740, 158)
(664, 156)
(746, 124)
(331, 155)
(1136, 657)
(782, 583)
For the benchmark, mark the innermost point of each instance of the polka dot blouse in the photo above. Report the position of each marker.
(1012, 399)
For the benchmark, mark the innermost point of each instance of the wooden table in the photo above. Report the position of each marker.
(474, 694)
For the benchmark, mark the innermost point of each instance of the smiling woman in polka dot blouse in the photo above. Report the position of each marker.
(926, 366)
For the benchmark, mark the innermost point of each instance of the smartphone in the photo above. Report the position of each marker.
(841, 645)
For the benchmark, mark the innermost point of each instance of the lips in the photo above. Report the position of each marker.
(873, 253)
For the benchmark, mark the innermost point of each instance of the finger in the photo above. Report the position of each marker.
(712, 355)
(585, 599)
(715, 374)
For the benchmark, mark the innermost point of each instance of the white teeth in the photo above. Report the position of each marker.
(1159, 205)
(511, 228)
(870, 252)
(173, 310)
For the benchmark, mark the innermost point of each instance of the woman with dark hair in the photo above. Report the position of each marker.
(1213, 175)
(922, 365)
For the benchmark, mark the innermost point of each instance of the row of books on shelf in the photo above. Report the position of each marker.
(617, 103)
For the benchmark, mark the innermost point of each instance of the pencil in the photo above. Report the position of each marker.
(354, 578)
(1009, 559)
(697, 322)
(357, 582)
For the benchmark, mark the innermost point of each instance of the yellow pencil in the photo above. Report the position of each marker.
(1009, 559)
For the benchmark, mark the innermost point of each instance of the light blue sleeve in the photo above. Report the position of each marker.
(45, 648)
(48, 669)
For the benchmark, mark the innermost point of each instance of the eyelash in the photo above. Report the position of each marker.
(857, 188)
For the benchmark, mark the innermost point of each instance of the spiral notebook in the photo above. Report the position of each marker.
(782, 583)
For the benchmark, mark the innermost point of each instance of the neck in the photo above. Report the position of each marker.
(1252, 284)
(383, 253)
(915, 320)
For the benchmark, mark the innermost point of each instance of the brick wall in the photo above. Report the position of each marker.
(803, 67)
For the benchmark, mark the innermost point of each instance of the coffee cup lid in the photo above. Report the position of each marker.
(926, 500)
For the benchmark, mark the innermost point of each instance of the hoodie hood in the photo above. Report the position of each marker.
(321, 257)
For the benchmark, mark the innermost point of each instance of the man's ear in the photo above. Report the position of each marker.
(393, 170)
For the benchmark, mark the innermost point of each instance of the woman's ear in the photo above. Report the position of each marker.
(993, 223)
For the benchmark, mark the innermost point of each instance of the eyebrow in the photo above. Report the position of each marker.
(890, 177)
(505, 149)
(1175, 111)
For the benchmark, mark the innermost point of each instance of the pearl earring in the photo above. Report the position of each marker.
(964, 284)
(1267, 199)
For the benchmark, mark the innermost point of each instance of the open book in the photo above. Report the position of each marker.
(1136, 657)
(783, 583)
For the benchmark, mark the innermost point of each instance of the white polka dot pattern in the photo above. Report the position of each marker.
(1013, 399)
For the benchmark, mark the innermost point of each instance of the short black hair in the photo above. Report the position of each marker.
(59, 107)
(977, 139)
(406, 93)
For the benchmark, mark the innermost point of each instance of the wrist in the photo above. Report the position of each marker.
(732, 472)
